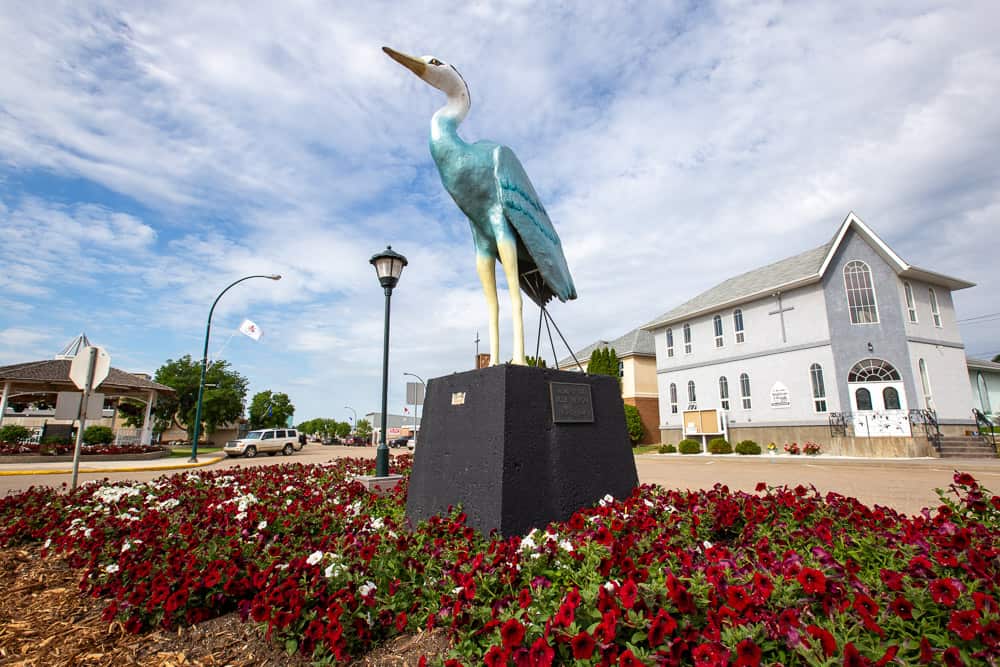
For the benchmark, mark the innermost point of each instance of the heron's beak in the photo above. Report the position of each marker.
(416, 66)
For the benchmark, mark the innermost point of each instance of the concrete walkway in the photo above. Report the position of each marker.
(66, 467)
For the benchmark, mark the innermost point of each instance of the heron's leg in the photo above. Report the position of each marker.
(486, 268)
(508, 257)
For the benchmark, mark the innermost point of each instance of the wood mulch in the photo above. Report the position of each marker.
(45, 620)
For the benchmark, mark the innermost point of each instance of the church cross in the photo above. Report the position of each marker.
(477, 346)
(780, 312)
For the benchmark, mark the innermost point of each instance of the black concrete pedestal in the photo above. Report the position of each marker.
(518, 447)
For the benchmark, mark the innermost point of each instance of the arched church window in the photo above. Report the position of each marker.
(911, 307)
(925, 384)
(890, 398)
(860, 293)
(717, 323)
(692, 398)
(863, 399)
(687, 338)
(745, 390)
(818, 387)
(738, 324)
(673, 398)
(724, 392)
(935, 311)
(873, 370)
(670, 342)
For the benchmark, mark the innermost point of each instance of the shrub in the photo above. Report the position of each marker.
(14, 433)
(633, 422)
(793, 448)
(98, 435)
(812, 448)
(720, 446)
(747, 447)
(667, 449)
(689, 446)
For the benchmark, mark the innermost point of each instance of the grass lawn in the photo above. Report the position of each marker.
(646, 449)
(181, 452)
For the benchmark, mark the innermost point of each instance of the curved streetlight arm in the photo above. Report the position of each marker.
(204, 361)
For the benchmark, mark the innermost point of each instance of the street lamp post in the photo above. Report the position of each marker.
(388, 266)
(354, 424)
(415, 404)
(204, 362)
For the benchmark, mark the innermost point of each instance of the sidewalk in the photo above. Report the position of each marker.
(66, 467)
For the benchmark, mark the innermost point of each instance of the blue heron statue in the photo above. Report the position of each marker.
(508, 221)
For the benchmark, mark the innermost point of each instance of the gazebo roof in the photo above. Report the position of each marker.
(52, 375)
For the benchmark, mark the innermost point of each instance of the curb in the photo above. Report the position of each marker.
(69, 471)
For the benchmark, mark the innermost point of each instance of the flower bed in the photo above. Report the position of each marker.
(36, 449)
(710, 577)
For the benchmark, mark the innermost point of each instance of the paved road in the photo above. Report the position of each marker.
(906, 485)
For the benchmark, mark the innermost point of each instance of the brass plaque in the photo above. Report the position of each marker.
(571, 403)
(458, 398)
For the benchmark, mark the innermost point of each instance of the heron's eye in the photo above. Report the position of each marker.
(435, 61)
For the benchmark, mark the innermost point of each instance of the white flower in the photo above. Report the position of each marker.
(367, 588)
(126, 546)
(606, 500)
(609, 586)
(47, 544)
(376, 523)
(111, 569)
(262, 525)
(527, 544)
(314, 557)
(282, 566)
(648, 502)
(457, 590)
(707, 544)
(330, 570)
(565, 545)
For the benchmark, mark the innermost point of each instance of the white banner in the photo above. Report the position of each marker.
(248, 328)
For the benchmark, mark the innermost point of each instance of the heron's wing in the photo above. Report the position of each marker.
(524, 211)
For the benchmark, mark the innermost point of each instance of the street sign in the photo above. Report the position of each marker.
(78, 368)
(414, 393)
(68, 405)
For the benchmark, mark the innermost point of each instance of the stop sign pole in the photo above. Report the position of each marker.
(82, 414)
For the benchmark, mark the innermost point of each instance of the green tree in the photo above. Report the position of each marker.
(613, 363)
(996, 359)
(131, 412)
(270, 410)
(596, 364)
(364, 429)
(342, 429)
(222, 403)
(633, 422)
(98, 435)
(14, 433)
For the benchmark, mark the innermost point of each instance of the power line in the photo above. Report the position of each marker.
(986, 321)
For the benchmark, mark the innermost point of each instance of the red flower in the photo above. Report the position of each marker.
(893, 580)
(710, 655)
(926, 652)
(888, 656)
(737, 598)
(852, 658)
(541, 653)
(628, 659)
(573, 598)
(748, 654)
(524, 598)
(762, 585)
(496, 657)
(953, 657)
(628, 593)
(663, 624)
(812, 581)
(964, 479)
(864, 605)
(512, 633)
(991, 633)
(564, 616)
(965, 624)
(902, 607)
(945, 591)
(582, 645)
(825, 639)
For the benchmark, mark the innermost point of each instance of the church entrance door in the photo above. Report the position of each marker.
(879, 409)
(878, 399)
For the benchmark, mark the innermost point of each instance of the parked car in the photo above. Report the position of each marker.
(268, 440)
(399, 442)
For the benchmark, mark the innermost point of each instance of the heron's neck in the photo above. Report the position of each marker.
(445, 122)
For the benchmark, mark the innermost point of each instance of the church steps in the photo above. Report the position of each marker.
(966, 447)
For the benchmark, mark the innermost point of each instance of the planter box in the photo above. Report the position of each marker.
(38, 458)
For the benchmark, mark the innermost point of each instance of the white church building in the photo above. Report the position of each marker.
(846, 345)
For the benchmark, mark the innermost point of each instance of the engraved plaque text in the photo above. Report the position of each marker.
(571, 403)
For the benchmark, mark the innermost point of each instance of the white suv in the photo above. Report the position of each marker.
(269, 440)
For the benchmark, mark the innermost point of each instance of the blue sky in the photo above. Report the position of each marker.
(151, 154)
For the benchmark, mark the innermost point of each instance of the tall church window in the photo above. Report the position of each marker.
(724, 392)
(670, 342)
(621, 369)
(890, 398)
(687, 339)
(738, 324)
(911, 307)
(934, 307)
(673, 398)
(745, 390)
(692, 398)
(925, 384)
(819, 389)
(863, 399)
(984, 393)
(860, 293)
(717, 323)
